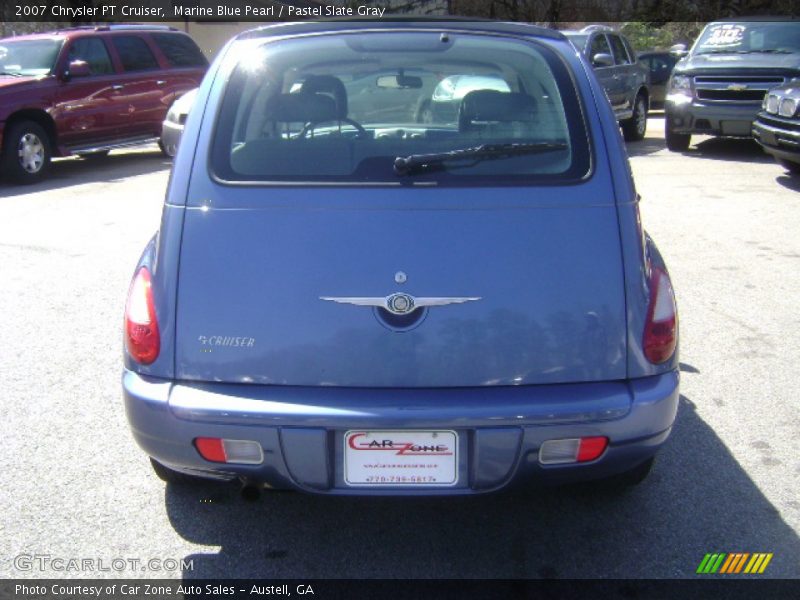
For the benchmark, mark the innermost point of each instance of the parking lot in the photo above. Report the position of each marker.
(726, 218)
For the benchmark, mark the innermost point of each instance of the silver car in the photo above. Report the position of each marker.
(172, 128)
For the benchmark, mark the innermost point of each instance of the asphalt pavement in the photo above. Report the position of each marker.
(74, 484)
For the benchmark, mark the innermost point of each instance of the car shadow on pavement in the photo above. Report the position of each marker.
(78, 171)
(698, 499)
(735, 149)
(645, 147)
(790, 182)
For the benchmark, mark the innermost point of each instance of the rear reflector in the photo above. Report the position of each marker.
(661, 327)
(242, 452)
(142, 339)
(591, 448)
(556, 452)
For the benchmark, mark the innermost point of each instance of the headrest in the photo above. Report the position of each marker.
(328, 85)
(301, 108)
(491, 105)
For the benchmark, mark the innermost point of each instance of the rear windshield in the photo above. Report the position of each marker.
(747, 38)
(461, 109)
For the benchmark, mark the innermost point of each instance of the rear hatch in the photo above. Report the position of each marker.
(544, 264)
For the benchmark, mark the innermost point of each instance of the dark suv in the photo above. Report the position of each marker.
(625, 79)
(719, 87)
(88, 90)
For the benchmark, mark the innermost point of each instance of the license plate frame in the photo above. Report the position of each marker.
(405, 458)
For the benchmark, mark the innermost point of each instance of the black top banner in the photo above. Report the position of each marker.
(73, 12)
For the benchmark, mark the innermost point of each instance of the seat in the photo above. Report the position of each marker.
(497, 113)
(329, 86)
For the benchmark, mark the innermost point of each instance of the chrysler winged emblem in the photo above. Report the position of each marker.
(399, 303)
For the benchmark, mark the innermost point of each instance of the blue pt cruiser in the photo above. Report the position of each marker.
(401, 258)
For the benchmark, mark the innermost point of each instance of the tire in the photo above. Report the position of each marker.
(790, 166)
(170, 476)
(425, 113)
(635, 128)
(26, 153)
(168, 152)
(676, 142)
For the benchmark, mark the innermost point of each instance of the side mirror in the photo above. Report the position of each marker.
(679, 50)
(77, 68)
(602, 60)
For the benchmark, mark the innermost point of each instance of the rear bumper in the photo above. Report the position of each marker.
(301, 429)
(732, 119)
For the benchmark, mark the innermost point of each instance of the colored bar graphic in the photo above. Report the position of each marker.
(703, 563)
(728, 564)
(740, 564)
(765, 563)
(718, 563)
(754, 562)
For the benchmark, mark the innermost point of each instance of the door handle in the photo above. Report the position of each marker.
(117, 87)
(160, 82)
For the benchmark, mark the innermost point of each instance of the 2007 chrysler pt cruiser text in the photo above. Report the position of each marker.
(401, 258)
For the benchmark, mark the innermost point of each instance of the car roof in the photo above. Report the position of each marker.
(88, 29)
(336, 25)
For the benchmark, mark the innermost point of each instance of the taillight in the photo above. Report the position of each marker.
(661, 327)
(243, 452)
(141, 327)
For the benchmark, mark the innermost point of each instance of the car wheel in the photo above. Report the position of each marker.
(26, 152)
(168, 151)
(176, 477)
(790, 166)
(425, 113)
(634, 128)
(676, 142)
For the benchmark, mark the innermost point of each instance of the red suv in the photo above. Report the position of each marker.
(88, 90)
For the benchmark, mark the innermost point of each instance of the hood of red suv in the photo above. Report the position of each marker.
(7, 81)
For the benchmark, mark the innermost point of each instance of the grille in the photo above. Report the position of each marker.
(765, 80)
(732, 95)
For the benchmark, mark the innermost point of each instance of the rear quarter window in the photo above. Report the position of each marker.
(180, 50)
(345, 107)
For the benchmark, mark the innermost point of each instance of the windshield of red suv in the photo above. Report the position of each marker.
(28, 57)
(746, 38)
(379, 107)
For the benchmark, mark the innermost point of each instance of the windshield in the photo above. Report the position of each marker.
(344, 108)
(766, 37)
(28, 57)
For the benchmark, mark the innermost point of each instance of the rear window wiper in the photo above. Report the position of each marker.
(415, 163)
(12, 73)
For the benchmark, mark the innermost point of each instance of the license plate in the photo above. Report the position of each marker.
(768, 138)
(401, 458)
(736, 127)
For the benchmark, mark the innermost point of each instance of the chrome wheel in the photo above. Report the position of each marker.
(31, 153)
